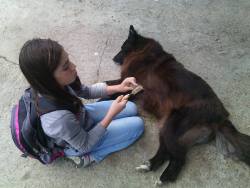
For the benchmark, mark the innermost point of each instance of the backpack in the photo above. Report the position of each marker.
(27, 132)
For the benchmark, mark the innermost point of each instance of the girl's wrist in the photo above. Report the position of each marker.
(113, 89)
(106, 120)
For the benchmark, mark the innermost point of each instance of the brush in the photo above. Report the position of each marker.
(136, 90)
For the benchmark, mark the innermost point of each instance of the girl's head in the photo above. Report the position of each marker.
(47, 68)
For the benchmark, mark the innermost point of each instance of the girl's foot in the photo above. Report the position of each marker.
(82, 161)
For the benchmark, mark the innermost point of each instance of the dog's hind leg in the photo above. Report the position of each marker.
(196, 135)
(199, 134)
(155, 162)
(160, 157)
(173, 169)
(176, 162)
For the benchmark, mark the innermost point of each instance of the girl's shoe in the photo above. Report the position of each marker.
(82, 161)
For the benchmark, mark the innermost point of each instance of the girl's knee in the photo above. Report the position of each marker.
(139, 123)
(132, 108)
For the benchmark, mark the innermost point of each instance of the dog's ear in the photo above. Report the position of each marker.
(132, 30)
(132, 33)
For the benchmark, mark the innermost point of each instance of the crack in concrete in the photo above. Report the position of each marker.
(7, 60)
(100, 62)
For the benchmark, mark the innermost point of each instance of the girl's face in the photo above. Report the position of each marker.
(65, 73)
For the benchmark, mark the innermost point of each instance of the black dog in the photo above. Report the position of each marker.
(188, 109)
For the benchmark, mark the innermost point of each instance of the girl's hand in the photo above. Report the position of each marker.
(128, 84)
(118, 105)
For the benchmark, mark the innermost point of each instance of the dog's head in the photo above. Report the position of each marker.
(133, 43)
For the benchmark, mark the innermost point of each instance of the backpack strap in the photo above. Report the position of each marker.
(28, 127)
(35, 122)
(45, 105)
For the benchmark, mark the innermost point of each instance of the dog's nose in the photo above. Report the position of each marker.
(116, 60)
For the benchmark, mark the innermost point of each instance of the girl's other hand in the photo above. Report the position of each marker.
(128, 84)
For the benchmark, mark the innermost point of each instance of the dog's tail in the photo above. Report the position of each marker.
(233, 143)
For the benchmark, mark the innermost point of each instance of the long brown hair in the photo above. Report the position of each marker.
(38, 59)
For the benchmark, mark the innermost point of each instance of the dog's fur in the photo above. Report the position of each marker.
(188, 108)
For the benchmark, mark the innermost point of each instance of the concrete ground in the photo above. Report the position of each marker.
(209, 37)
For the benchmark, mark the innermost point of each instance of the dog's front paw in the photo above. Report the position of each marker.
(158, 183)
(145, 167)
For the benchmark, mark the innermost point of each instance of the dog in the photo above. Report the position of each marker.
(189, 110)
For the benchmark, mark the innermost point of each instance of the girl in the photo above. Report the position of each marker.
(86, 132)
